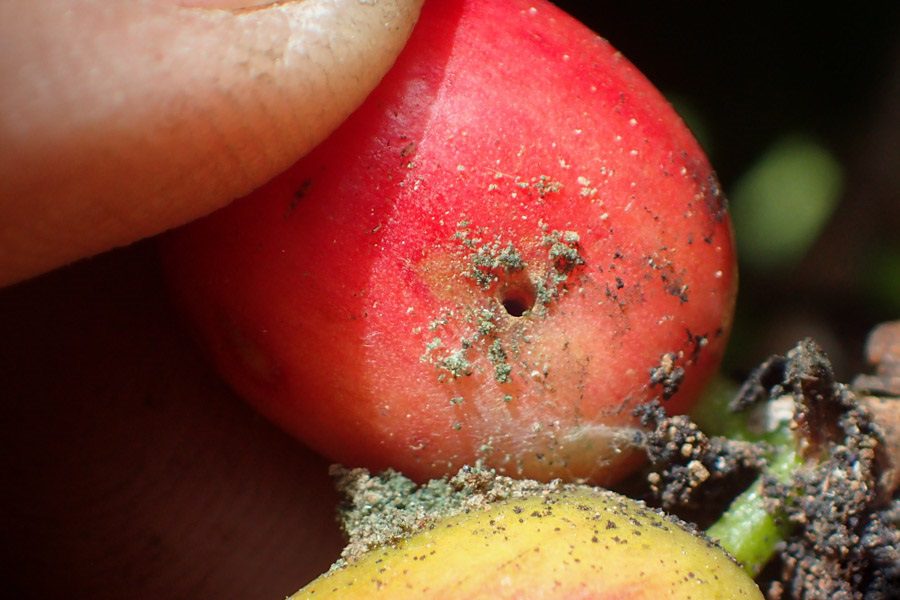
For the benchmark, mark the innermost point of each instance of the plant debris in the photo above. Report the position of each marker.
(845, 541)
(686, 460)
(847, 545)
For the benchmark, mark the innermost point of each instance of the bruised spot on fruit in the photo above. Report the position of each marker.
(299, 194)
(408, 150)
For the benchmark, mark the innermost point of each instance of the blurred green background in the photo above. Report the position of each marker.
(798, 108)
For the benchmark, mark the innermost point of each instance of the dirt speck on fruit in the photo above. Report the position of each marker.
(545, 185)
(487, 261)
(497, 356)
(668, 374)
(715, 199)
(672, 280)
(457, 364)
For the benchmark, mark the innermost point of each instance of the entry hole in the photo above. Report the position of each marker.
(516, 307)
(517, 300)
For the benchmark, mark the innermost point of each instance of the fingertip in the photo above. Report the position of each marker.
(122, 121)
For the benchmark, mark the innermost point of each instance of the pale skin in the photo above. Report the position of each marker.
(129, 469)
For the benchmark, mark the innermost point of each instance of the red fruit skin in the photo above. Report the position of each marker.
(507, 134)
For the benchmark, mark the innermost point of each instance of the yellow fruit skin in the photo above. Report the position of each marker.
(584, 544)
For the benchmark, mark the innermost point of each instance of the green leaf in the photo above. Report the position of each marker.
(781, 204)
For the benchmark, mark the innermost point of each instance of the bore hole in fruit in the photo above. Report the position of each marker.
(516, 307)
(518, 298)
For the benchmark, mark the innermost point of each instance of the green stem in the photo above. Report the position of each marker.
(714, 417)
(747, 530)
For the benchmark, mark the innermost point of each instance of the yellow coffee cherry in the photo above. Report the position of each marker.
(573, 544)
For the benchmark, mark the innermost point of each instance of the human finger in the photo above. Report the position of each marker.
(119, 120)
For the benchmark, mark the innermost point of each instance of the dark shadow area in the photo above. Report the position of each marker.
(745, 77)
(128, 468)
